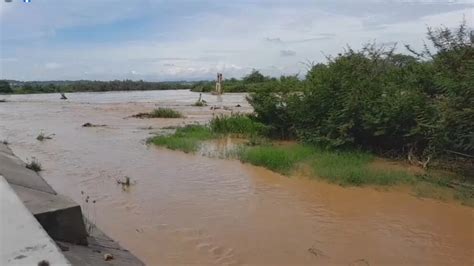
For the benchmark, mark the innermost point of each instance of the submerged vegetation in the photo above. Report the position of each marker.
(343, 167)
(34, 165)
(186, 138)
(42, 137)
(161, 113)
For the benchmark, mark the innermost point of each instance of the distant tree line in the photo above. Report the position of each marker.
(12, 86)
(251, 82)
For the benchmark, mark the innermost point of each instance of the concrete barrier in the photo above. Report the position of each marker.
(23, 240)
(60, 216)
(57, 217)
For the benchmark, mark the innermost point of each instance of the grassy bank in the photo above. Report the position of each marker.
(346, 168)
(185, 139)
(188, 138)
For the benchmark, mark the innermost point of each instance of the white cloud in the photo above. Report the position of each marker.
(233, 38)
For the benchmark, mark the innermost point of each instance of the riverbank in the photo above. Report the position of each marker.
(345, 168)
(202, 210)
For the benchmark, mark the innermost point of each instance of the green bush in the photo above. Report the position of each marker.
(166, 113)
(379, 100)
(237, 124)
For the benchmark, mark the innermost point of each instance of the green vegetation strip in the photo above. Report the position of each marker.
(185, 139)
(188, 138)
(346, 168)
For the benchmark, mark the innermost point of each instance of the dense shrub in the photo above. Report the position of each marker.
(377, 99)
(237, 124)
(275, 103)
(166, 113)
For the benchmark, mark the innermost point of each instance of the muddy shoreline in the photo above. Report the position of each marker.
(192, 209)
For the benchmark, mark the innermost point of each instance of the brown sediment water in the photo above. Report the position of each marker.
(191, 209)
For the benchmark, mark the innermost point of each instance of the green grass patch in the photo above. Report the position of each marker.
(185, 139)
(237, 124)
(352, 168)
(166, 113)
(344, 168)
(276, 158)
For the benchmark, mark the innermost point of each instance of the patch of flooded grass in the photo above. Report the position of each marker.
(427, 189)
(352, 168)
(166, 113)
(275, 158)
(237, 124)
(346, 168)
(188, 138)
(34, 165)
(161, 113)
(185, 139)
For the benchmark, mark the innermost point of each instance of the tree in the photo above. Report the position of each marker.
(452, 89)
(254, 77)
(5, 87)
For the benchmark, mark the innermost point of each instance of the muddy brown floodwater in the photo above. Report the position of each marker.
(190, 209)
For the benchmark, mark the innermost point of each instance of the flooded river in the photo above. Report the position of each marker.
(187, 209)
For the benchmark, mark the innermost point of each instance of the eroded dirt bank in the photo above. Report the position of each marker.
(186, 209)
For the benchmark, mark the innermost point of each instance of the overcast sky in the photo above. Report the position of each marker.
(189, 40)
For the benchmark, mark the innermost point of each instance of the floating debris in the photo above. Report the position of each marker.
(92, 125)
(124, 183)
(316, 252)
(34, 165)
(42, 136)
(108, 256)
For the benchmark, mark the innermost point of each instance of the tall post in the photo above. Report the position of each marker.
(219, 84)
